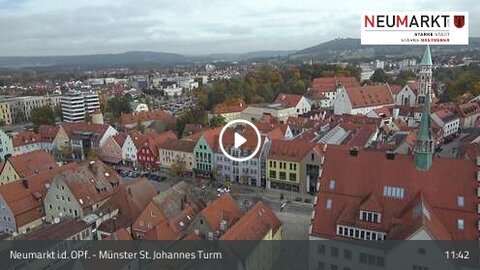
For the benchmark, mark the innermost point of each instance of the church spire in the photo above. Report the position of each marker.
(425, 145)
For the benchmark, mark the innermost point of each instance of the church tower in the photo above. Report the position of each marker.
(426, 71)
(425, 145)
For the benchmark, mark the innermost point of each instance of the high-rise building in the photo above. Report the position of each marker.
(75, 106)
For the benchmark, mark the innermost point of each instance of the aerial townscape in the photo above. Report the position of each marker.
(337, 141)
(392, 156)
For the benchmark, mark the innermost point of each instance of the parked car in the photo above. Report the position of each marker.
(136, 174)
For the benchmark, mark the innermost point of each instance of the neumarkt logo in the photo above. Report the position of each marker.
(406, 21)
(414, 28)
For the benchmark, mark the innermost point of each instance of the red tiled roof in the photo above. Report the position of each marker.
(395, 88)
(369, 96)
(238, 106)
(329, 84)
(32, 163)
(255, 224)
(157, 114)
(132, 199)
(291, 150)
(162, 231)
(468, 109)
(223, 208)
(59, 231)
(153, 139)
(85, 181)
(289, 100)
(23, 201)
(48, 132)
(26, 137)
(120, 234)
(120, 138)
(370, 172)
(178, 145)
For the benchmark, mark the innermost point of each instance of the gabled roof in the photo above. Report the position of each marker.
(223, 208)
(120, 234)
(369, 96)
(178, 145)
(255, 224)
(371, 173)
(178, 205)
(163, 231)
(153, 139)
(120, 138)
(91, 182)
(26, 137)
(48, 132)
(291, 150)
(22, 199)
(289, 100)
(32, 163)
(131, 199)
(329, 84)
(59, 231)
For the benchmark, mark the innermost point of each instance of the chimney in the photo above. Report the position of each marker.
(354, 151)
(25, 183)
(390, 155)
(182, 205)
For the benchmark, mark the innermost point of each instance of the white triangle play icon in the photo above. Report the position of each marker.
(238, 140)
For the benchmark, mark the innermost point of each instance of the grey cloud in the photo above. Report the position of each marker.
(46, 27)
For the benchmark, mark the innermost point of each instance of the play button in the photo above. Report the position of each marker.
(240, 140)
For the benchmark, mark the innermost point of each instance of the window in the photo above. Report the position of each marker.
(334, 251)
(332, 184)
(293, 177)
(393, 192)
(152, 214)
(282, 175)
(273, 174)
(333, 267)
(321, 265)
(321, 248)
(329, 204)
(460, 224)
(461, 201)
(347, 254)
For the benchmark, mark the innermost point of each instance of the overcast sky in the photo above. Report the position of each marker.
(67, 27)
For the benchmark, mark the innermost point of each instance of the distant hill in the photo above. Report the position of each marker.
(350, 48)
(94, 60)
(244, 56)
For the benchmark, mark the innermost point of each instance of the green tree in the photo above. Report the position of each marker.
(178, 169)
(44, 115)
(65, 152)
(117, 106)
(94, 153)
(379, 76)
(217, 121)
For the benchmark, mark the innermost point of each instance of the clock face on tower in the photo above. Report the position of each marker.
(421, 100)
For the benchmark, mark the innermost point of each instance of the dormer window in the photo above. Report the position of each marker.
(370, 216)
